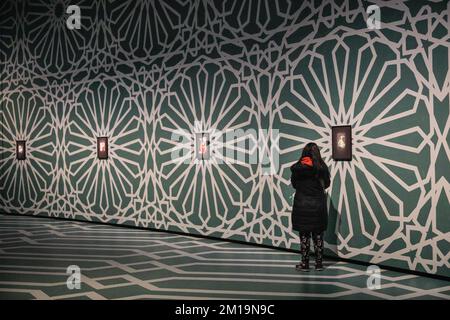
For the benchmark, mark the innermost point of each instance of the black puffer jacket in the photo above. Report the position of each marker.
(309, 212)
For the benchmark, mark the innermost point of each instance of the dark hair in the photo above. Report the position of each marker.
(312, 150)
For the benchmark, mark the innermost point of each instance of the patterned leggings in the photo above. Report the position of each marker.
(305, 238)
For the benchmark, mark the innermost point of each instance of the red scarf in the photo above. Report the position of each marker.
(306, 161)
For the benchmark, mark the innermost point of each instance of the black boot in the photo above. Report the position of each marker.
(304, 250)
(318, 250)
(302, 266)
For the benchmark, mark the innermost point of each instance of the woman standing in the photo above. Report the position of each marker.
(310, 177)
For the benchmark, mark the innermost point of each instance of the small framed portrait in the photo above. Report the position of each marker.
(21, 152)
(202, 142)
(102, 147)
(341, 143)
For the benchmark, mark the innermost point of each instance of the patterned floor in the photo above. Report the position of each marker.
(120, 263)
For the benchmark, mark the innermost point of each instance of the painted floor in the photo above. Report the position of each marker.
(120, 263)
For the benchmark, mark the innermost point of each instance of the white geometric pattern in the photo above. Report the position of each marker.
(116, 263)
(137, 70)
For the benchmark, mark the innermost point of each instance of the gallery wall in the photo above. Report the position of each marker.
(139, 71)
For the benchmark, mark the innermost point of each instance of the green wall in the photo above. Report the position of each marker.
(137, 71)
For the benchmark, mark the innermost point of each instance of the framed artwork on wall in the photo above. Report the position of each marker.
(341, 143)
(102, 147)
(21, 150)
(202, 146)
